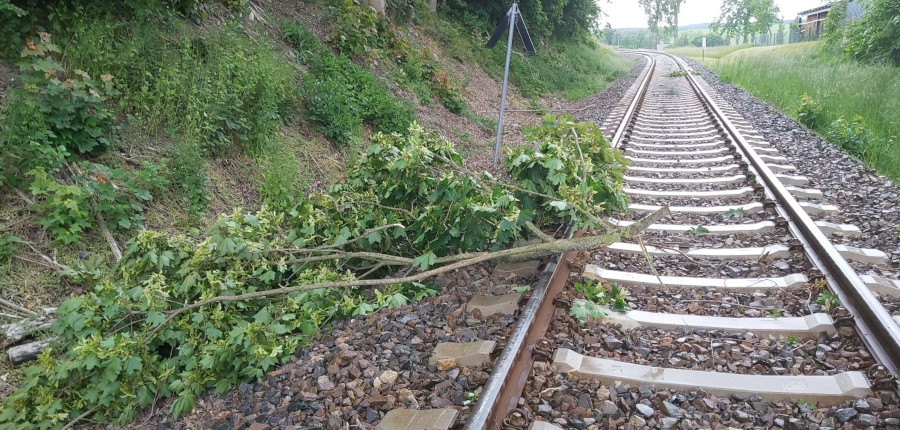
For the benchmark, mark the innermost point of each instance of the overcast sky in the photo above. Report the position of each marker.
(627, 13)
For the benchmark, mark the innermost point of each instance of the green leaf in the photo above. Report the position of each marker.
(425, 260)
(560, 205)
(263, 316)
(155, 318)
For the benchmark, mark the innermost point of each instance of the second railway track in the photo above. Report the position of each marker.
(740, 311)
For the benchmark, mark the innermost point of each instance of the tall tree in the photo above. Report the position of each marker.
(665, 11)
(609, 34)
(779, 37)
(745, 18)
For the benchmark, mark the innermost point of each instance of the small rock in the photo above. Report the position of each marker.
(845, 414)
(388, 377)
(544, 410)
(672, 410)
(637, 421)
(644, 410)
(584, 401)
(866, 420)
(796, 424)
(862, 406)
(446, 364)
(892, 421)
(324, 383)
(608, 407)
(667, 423)
(612, 343)
(742, 416)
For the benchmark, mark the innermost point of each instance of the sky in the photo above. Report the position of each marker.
(627, 13)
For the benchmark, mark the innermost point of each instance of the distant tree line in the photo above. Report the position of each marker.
(559, 19)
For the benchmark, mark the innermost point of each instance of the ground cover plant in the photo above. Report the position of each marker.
(848, 102)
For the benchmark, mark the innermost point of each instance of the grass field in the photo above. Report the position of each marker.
(711, 53)
(843, 88)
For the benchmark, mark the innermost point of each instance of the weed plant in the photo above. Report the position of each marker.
(857, 107)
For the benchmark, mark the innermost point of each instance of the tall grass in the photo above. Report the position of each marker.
(715, 52)
(571, 70)
(843, 88)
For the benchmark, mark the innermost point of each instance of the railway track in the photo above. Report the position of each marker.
(744, 309)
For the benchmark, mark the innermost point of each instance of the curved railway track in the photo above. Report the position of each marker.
(722, 310)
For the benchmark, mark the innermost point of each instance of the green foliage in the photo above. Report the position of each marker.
(340, 95)
(187, 173)
(874, 37)
(584, 310)
(53, 114)
(65, 209)
(809, 112)
(842, 87)
(281, 179)
(357, 30)
(735, 213)
(72, 103)
(851, 136)
(697, 231)
(558, 19)
(568, 69)
(745, 18)
(121, 346)
(676, 74)
(68, 210)
(569, 159)
(9, 245)
(828, 300)
(415, 181)
(216, 89)
(612, 297)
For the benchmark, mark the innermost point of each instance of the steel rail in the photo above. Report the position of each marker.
(501, 393)
(875, 325)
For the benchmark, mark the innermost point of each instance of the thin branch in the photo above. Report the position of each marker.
(24, 197)
(530, 251)
(537, 232)
(113, 245)
(86, 414)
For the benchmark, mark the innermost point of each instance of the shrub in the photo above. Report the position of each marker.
(809, 112)
(73, 103)
(68, 210)
(851, 136)
(281, 184)
(188, 174)
(340, 95)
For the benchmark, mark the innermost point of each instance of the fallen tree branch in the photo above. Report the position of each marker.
(524, 252)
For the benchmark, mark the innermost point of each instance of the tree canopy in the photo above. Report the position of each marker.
(745, 18)
(665, 11)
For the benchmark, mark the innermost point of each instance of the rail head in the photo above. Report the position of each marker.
(876, 326)
(494, 395)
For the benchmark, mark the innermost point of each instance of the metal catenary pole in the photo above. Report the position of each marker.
(512, 28)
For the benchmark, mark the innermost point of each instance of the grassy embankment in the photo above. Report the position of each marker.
(237, 114)
(713, 53)
(853, 105)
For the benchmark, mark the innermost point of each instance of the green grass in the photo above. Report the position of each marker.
(716, 52)
(843, 88)
(568, 70)
(571, 70)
